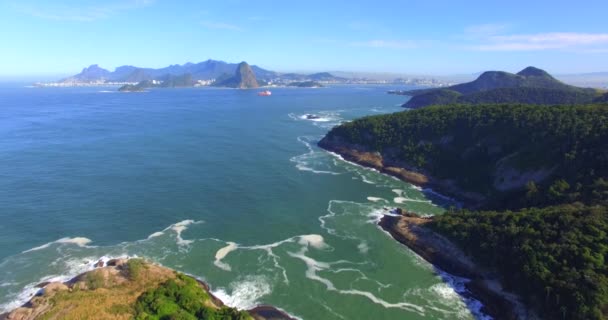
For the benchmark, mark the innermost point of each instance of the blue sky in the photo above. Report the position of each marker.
(416, 37)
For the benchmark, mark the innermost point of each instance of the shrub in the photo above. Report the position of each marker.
(94, 280)
(182, 298)
(134, 268)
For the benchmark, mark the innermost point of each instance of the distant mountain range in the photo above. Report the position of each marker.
(206, 70)
(531, 86)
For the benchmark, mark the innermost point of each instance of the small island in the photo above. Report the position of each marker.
(305, 84)
(133, 289)
(132, 88)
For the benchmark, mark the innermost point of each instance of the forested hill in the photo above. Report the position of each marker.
(531, 86)
(543, 172)
(553, 257)
(494, 150)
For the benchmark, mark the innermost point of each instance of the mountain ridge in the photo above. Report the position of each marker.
(530, 85)
(205, 70)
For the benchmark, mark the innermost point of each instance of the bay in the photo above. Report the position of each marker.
(220, 184)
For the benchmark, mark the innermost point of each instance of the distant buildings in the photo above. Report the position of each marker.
(98, 83)
(275, 82)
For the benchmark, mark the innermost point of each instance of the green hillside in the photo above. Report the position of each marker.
(547, 164)
(531, 85)
(494, 150)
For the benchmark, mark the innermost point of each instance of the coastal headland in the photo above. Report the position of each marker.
(132, 289)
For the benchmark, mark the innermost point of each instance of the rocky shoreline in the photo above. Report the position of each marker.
(410, 230)
(103, 280)
(387, 165)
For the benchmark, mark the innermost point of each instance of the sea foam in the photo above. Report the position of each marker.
(245, 293)
(79, 241)
(222, 253)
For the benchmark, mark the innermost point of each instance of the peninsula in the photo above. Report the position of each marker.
(133, 289)
(534, 180)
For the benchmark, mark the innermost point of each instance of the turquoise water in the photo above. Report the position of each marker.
(220, 184)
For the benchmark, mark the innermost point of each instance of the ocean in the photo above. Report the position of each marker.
(220, 184)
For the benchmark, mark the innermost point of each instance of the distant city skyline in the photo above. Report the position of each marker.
(45, 39)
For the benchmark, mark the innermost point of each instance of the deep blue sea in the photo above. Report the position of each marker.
(221, 184)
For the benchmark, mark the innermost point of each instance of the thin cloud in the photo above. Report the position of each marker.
(543, 41)
(387, 44)
(78, 13)
(221, 26)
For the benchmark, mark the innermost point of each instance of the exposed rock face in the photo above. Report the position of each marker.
(244, 78)
(372, 160)
(55, 287)
(109, 293)
(507, 177)
(386, 164)
(89, 74)
(411, 231)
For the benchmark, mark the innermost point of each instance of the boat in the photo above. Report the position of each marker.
(264, 93)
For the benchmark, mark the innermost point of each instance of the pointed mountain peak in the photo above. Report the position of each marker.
(93, 67)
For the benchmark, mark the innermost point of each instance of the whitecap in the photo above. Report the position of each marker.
(313, 240)
(181, 227)
(363, 247)
(305, 162)
(313, 266)
(398, 192)
(376, 199)
(244, 294)
(156, 234)
(79, 241)
(73, 268)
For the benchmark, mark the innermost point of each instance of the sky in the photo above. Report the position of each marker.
(410, 37)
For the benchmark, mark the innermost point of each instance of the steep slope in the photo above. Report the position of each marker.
(540, 173)
(90, 74)
(244, 78)
(486, 153)
(531, 85)
(602, 99)
(209, 69)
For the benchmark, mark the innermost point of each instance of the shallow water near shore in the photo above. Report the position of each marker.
(220, 184)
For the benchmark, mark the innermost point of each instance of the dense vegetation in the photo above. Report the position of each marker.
(560, 152)
(548, 164)
(531, 86)
(305, 84)
(182, 298)
(602, 99)
(529, 96)
(554, 257)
